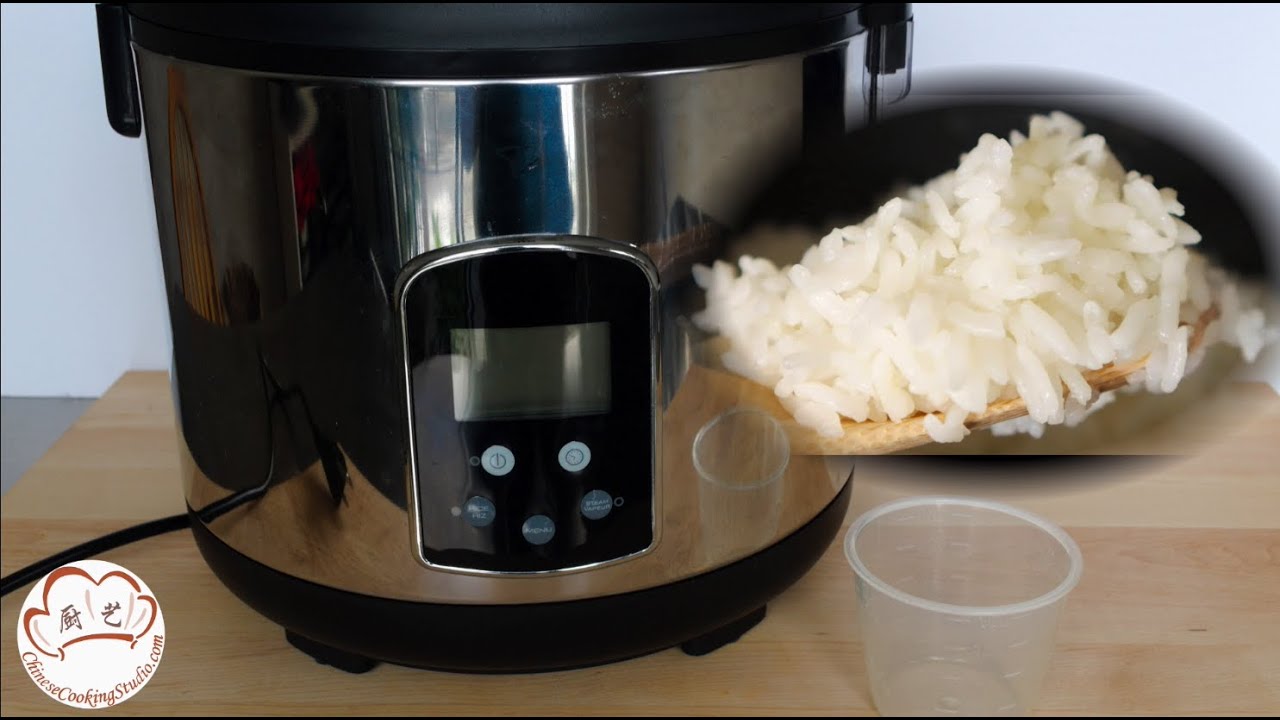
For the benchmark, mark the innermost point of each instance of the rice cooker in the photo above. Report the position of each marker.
(428, 271)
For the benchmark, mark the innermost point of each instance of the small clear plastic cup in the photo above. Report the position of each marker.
(958, 604)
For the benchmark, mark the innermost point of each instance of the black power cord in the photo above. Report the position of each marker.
(40, 568)
(151, 528)
(335, 472)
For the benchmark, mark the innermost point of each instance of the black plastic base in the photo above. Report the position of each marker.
(726, 635)
(325, 655)
(353, 632)
(358, 664)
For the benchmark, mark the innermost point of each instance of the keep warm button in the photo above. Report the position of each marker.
(596, 504)
(538, 530)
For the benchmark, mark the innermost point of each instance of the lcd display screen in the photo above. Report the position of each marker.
(529, 372)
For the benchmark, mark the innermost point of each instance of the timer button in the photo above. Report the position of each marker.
(575, 456)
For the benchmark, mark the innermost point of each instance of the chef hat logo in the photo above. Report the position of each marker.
(76, 608)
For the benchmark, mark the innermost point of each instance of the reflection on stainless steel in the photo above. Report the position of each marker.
(741, 457)
(317, 193)
(191, 227)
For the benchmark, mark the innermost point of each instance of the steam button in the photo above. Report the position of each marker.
(596, 504)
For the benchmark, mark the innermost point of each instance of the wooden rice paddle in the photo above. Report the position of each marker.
(879, 438)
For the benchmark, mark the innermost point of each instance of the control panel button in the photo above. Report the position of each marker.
(596, 504)
(575, 456)
(497, 460)
(479, 512)
(538, 530)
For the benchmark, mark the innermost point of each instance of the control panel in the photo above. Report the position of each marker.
(530, 367)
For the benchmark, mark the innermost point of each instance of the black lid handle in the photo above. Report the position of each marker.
(124, 112)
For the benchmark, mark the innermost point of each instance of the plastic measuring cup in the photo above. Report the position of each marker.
(958, 603)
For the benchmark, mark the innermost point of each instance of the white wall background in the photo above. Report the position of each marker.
(81, 291)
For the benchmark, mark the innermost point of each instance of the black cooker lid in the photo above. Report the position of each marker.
(487, 40)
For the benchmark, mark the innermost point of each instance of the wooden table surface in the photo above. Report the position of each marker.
(1178, 612)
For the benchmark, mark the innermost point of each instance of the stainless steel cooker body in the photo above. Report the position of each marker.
(429, 268)
(294, 211)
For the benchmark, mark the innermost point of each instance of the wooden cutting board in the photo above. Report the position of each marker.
(1178, 611)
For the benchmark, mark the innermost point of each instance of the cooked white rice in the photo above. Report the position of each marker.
(1037, 259)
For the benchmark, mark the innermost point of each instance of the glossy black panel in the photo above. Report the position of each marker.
(547, 289)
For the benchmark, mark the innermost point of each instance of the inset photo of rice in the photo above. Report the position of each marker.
(1061, 261)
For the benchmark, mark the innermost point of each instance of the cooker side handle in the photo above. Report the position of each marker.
(119, 84)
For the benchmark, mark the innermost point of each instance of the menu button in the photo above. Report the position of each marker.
(538, 530)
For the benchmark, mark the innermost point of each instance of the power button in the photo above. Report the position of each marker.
(497, 460)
